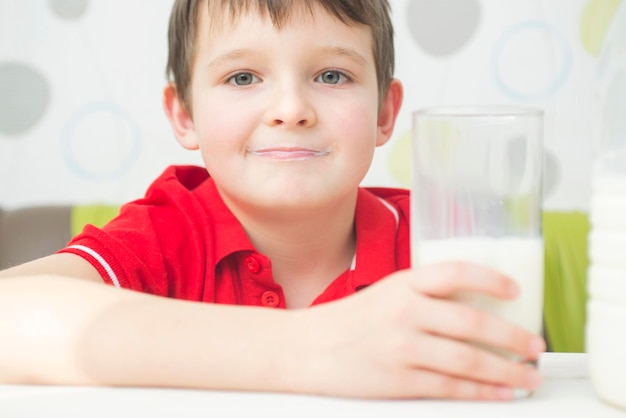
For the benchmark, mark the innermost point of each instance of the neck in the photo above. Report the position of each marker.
(308, 248)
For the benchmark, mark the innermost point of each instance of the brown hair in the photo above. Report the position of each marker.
(183, 32)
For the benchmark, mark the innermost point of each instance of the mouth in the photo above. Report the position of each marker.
(288, 153)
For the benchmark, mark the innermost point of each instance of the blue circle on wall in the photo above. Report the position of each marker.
(549, 42)
(101, 141)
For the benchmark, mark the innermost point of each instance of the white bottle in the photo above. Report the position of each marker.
(605, 336)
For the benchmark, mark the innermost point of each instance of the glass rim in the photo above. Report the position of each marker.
(478, 111)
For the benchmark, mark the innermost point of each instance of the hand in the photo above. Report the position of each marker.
(405, 338)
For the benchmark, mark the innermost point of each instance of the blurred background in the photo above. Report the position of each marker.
(81, 81)
(82, 129)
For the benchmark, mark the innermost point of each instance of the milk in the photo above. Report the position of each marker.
(606, 284)
(519, 258)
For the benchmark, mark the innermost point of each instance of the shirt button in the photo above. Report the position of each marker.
(253, 265)
(270, 299)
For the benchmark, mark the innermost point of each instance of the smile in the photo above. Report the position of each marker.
(290, 153)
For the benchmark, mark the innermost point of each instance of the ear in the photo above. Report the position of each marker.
(389, 111)
(179, 118)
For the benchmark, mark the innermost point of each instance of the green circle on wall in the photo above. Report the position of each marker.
(400, 159)
(595, 21)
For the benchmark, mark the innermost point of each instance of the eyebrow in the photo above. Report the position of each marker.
(232, 55)
(249, 52)
(347, 52)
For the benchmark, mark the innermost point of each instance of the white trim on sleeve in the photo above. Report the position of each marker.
(392, 210)
(100, 260)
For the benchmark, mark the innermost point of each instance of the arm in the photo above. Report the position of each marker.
(63, 264)
(64, 330)
(398, 338)
(62, 326)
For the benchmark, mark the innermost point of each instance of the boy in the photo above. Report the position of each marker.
(286, 101)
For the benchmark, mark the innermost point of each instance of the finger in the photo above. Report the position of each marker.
(433, 385)
(447, 278)
(469, 362)
(464, 322)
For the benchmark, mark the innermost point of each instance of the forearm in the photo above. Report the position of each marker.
(401, 337)
(67, 331)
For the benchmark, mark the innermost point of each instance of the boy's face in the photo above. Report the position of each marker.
(284, 118)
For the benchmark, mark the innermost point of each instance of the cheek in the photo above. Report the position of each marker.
(221, 127)
(358, 123)
(215, 120)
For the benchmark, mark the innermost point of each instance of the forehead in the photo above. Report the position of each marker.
(218, 20)
(225, 35)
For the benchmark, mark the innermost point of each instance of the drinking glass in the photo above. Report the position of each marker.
(477, 196)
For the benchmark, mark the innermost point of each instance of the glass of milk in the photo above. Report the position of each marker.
(477, 196)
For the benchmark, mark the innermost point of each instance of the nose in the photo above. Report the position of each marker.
(290, 107)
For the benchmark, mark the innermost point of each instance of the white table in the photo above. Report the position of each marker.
(566, 393)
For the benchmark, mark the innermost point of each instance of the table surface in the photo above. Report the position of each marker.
(566, 392)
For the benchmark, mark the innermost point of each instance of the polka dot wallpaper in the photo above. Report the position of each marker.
(81, 81)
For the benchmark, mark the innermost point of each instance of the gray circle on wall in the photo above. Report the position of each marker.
(24, 97)
(68, 9)
(443, 27)
(551, 174)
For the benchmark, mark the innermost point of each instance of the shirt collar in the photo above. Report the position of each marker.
(376, 224)
(230, 237)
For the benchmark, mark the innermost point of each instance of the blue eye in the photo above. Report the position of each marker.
(243, 79)
(332, 77)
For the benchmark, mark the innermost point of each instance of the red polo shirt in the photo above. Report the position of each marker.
(181, 241)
